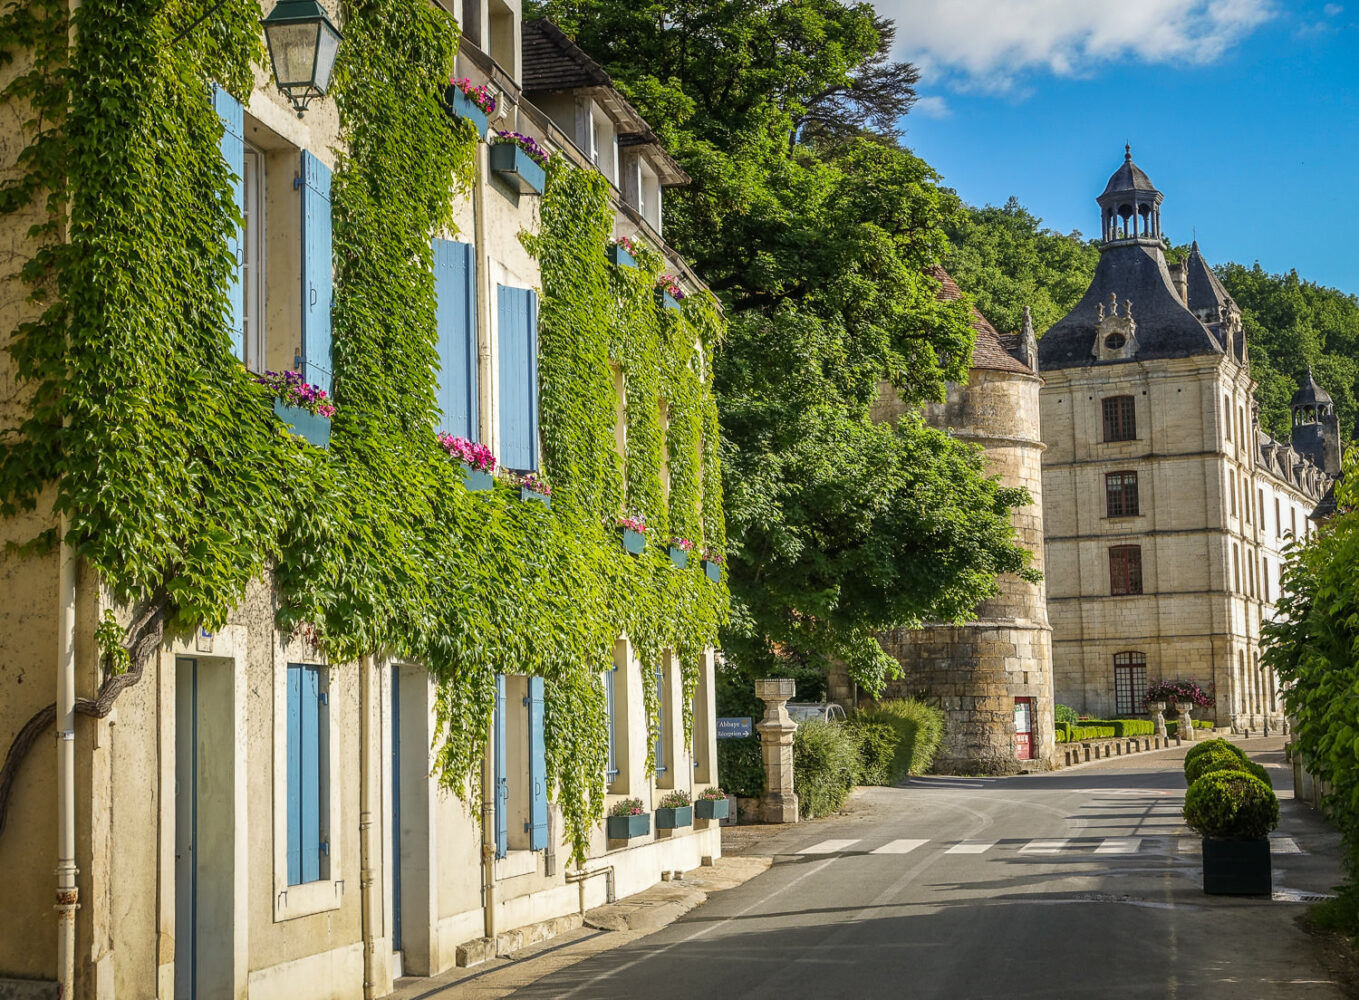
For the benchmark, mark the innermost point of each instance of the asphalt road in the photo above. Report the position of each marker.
(1081, 883)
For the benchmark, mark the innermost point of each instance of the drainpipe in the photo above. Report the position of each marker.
(68, 894)
(488, 793)
(370, 797)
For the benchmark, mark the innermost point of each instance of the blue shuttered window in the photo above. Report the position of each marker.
(660, 721)
(518, 343)
(455, 292)
(233, 151)
(317, 272)
(306, 722)
(502, 790)
(610, 680)
(537, 767)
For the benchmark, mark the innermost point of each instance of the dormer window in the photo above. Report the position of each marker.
(1115, 341)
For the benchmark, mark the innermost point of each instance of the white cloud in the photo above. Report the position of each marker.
(932, 107)
(988, 44)
(1332, 9)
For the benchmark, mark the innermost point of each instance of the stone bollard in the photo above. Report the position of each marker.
(1186, 728)
(1158, 708)
(1087, 753)
(776, 729)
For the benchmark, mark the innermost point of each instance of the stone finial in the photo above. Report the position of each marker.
(1113, 304)
(1127, 308)
(776, 744)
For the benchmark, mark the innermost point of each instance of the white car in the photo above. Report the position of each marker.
(819, 711)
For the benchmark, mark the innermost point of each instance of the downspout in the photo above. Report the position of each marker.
(370, 796)
(68, 894)
(488, 792)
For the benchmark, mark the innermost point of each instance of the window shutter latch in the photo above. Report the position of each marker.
(323, 697)
(325, 848)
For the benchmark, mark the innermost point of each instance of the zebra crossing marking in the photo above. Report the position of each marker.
(971, 847)
(899, 847)
(829, 847)
(1044, 846)
(1119, 845)
(1284, 845)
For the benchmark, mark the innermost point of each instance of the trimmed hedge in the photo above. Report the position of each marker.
(1221, 755)
(825, 766)
(740, 763)
(1103, 729)
(1231, 805)
(919, 728)
(877, 743)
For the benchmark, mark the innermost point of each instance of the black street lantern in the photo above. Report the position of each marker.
(302, 44)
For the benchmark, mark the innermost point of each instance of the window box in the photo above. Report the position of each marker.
(1230, 867)
(517, 168)
(678, 556)
(461, 106)
(673, 819)
(709, 809)
(634, 541)
(309, 427)
(619, 256)
(475, 480)
(526, 494)
(627, 827)
(666, 301)
(713, 570)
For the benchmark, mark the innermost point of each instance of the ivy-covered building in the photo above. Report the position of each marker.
(360, 488)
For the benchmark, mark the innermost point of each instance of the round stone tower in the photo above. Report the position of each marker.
(992, 676)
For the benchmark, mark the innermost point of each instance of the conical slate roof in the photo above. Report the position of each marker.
(1205, 289)
(1309, 393)
(989, 350)
(1128, 177)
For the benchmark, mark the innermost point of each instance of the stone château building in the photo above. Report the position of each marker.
(992, 676)
(1168, 509)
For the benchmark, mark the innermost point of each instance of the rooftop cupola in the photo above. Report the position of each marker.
(1311, 403)
(1130, 207)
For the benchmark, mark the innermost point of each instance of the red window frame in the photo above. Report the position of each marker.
(1120, 494)
(1120, 418)
(1125, 570)
(1130, 680)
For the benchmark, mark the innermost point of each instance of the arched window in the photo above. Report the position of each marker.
(1130, 682)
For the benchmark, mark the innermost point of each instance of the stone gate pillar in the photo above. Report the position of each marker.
(776, 741)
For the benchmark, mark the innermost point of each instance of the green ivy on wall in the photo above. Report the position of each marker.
(177, 480)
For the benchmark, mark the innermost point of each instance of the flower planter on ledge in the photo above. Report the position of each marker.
(711, 808)
(619, 256)
(462, 106)
(1230, 867)
(680, 558)
(517, 168)
(713, 570)
(308, 426)
(634, 541)
(627, 827)
(673, 819)
(666, 301)
(526, 494)
(475, 480)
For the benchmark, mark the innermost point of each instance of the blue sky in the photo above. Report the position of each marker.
(1245, 114)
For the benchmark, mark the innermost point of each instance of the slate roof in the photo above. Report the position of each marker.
(989, 351)
(1205, 288)
(1134, 272)
(554, 62)
(1309, 393)
(1128, 177)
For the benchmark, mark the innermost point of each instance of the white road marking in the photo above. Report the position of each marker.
(900, 847)
(971, 847)
(1044, 846)
(1189, 845)
(1119, 845)
(829, 847)
(1284, 845)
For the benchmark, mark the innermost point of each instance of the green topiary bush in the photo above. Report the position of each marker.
(741, 765)
(1212, 758)
(920, 730)
(1209, 746)
(825, 766)
(877, 744)
(1064, 713)
(1231, 805)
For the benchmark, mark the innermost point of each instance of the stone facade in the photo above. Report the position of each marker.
(993, 672)
(1167, 507)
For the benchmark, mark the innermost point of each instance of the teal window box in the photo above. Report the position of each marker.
(459, 105)
(620, 257)
(712, 808)
(475, 480)
(527, 495)
(713, 570)
(517, 168)
(666, 301)
(679, 557)
(627, 827)
(673, 819)
(308, 426)
(634, 541)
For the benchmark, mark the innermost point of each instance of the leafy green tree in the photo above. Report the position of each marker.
(818, 232)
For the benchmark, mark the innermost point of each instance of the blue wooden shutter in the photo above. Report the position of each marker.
(317, 273)
(502, 790)
(518, 340)
(537, 767)
(233, 151)
(455, 291)
(610, 694)
(311, 774)
(660, 721)
(293, 777)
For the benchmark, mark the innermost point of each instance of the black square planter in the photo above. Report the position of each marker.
(1236, 867)
(711, 808)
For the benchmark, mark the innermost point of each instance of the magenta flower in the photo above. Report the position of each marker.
(528, 144)
(476, 455)
(478, 94)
